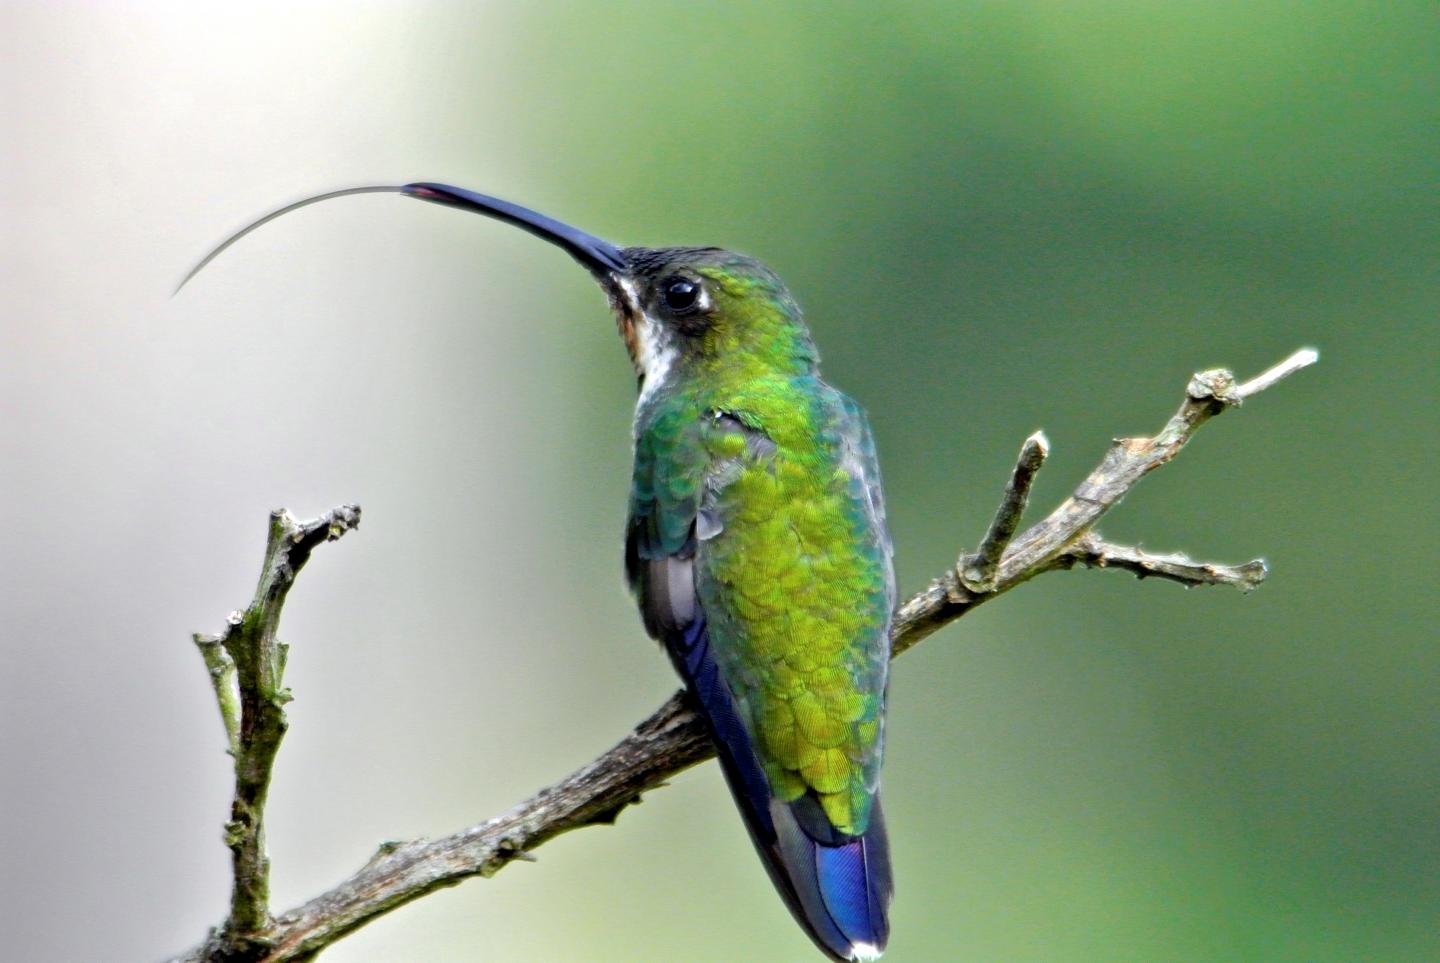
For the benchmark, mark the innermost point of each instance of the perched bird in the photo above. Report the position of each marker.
(757, 551)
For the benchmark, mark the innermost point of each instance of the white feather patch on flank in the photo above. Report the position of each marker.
(655, 352)
(680, 587)
(864, 951)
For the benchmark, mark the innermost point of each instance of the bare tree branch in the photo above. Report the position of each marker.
(246, 663)
(673, 738)
(1055, 541)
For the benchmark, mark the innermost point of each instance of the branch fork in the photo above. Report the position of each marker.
(246, 666)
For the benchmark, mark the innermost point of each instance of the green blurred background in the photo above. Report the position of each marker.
(999, 217)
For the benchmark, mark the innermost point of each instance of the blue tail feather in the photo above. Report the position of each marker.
(837, 886)
(841, 892)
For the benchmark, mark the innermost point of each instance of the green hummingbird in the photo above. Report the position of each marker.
(757, 550)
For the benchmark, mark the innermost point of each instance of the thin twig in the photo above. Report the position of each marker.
(1095, 552)
(673, 739)
(977, 572)
(1303, 358)
(222, 679)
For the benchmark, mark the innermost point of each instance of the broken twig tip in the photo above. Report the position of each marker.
(1036, 447)
(1298, 361)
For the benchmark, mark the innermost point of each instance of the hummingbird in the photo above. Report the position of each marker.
(757, 551)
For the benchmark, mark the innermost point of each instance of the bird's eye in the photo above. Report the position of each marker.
(682, 295)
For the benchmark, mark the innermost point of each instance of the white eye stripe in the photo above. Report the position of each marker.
(627, 287)
(655, 354)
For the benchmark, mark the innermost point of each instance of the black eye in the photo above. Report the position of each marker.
(681, 295)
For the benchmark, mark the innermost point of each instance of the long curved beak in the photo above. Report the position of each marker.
(600, 257)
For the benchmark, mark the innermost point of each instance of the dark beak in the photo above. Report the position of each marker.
(601, 258)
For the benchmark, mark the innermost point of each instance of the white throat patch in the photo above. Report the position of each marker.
(655, 352)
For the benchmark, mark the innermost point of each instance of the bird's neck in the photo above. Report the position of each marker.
(734, 384)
